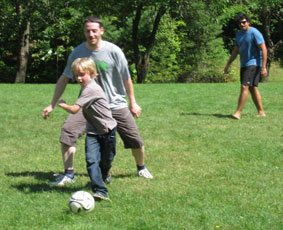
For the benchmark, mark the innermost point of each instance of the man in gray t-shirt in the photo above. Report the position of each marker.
(114, 77)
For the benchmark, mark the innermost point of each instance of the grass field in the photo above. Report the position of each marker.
(210, 171)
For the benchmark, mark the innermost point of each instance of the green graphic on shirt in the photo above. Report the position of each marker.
(101, 66)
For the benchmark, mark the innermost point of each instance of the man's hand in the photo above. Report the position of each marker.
(263, 72)
(46, 111)
(226, 69)
(135, 110)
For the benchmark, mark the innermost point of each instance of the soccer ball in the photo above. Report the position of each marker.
(81, 201)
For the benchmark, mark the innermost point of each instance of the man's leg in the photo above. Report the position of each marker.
(242, 101)
(130, 135)
(68, 153)
(140, 157)
(257, 100)
(72, 129)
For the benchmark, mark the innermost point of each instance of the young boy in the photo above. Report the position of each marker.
(100, 144)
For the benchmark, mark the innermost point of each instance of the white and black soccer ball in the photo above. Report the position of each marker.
(81, 201)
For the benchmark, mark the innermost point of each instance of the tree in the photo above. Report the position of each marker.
(23, 45)
(202, 49)
(146, 16)
(270, 12)
(142, 60)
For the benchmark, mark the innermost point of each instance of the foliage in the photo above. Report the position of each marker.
(202, 49)
(164, 66)
(192, 41)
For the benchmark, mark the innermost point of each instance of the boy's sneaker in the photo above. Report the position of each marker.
(107, 180)
(145, 173)
(61, 180)
(101, 196)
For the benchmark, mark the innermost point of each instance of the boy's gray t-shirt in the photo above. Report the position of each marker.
(112, 67)
(96, 109)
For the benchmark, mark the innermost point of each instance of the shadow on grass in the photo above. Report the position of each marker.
(38, 175)
(122, 176)
(45, 187)
(49, 175)
(206, 114)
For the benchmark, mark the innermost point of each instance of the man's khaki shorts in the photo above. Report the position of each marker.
(75, 126)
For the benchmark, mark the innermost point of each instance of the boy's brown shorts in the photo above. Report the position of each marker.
(75, 126)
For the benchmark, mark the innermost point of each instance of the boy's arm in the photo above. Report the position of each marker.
(134, 107)
(69, 108)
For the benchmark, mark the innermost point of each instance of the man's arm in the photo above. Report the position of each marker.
(263, 48)
(69, 108)
(59, 90)
(134, 107)
(232, 58)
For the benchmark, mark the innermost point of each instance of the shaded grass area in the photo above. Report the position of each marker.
(210, 171)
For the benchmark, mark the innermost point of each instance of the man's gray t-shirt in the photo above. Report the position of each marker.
(112, 67)
(96, 109)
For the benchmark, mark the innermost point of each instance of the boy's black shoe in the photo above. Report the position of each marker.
(101, 196)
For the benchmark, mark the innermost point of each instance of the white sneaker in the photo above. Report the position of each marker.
(145, 173)
(61, 180)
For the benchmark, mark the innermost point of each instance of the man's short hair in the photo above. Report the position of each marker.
(94, 19)
(242, 16)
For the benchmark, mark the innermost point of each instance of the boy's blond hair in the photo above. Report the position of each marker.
(85, 65)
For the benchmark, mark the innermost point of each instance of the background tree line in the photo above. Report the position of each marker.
(164, 40)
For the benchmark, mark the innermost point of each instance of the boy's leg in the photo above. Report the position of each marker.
(108, 152)
(93, 158)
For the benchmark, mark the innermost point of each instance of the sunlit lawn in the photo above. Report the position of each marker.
(210, 171)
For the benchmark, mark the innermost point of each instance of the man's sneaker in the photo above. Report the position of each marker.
(101, 196)
(107, 180)
(61, 180)
(145, 173)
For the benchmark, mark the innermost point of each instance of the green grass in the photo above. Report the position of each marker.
(210, 171)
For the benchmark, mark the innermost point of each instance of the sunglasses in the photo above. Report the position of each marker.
(243, 22)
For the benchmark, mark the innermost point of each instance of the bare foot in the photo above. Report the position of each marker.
(236, 116)
(261, 114)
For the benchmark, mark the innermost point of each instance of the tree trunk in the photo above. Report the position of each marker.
(23, 55)
(266, 17)
(142, 60)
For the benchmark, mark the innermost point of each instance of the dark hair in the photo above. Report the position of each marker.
(242, 16)
(94, 19)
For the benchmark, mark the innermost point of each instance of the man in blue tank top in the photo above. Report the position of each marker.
(250, 45)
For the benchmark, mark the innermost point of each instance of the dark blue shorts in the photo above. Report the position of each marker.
(250, 75)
